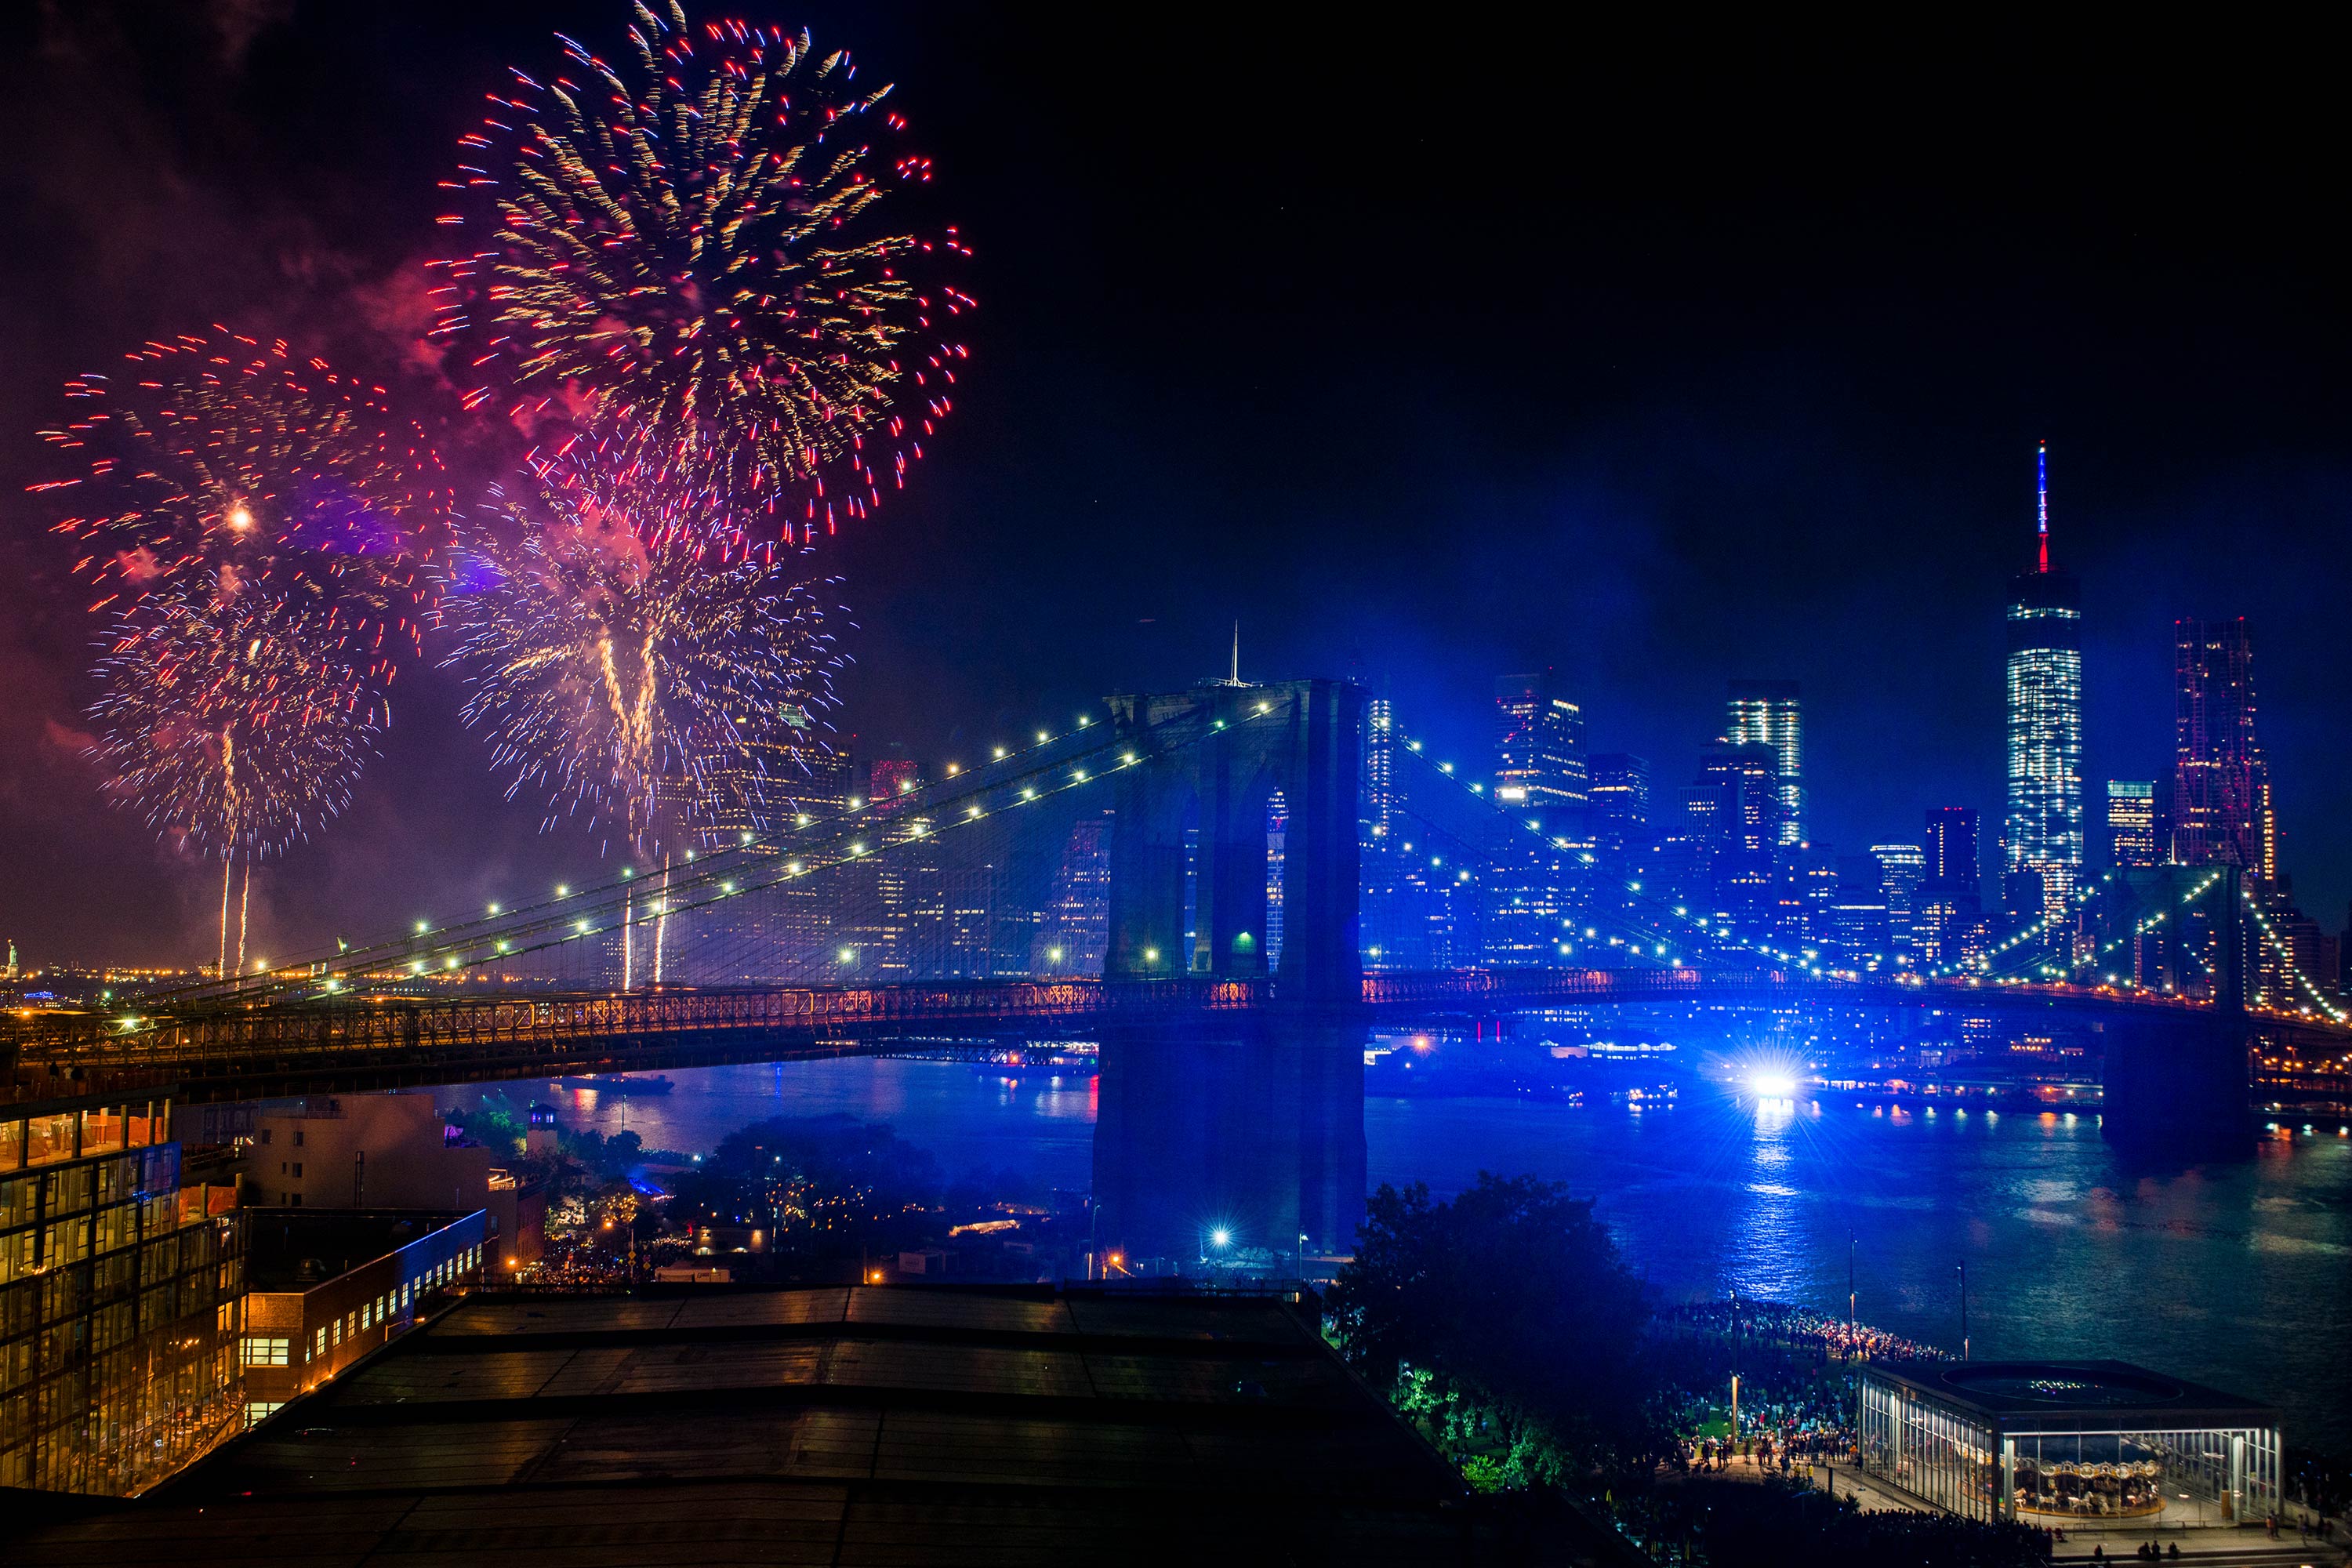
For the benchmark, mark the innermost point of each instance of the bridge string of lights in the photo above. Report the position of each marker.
(1988, 965)
(2083, 895)
(2286, 956)
(1011, 779)
(1981, 967)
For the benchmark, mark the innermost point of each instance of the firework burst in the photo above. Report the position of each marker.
(618, 673)
(231, 721)
(222, 461)
(683, 261)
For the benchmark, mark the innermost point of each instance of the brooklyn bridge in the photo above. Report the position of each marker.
(813, 939)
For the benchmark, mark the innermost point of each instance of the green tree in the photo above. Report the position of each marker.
(1512, 1300)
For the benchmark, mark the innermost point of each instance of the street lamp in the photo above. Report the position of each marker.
(1964, 1311)
(1850, 1320)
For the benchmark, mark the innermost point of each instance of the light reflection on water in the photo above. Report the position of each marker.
(2233, 1274)
(2236, 1274)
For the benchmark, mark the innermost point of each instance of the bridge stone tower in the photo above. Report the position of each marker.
(1250, 1127)
(1303, 738)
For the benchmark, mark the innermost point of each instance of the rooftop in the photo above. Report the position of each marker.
(2072, 1394)
(833, 1424)
(296, 1248)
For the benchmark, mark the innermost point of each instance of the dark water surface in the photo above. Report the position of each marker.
(2238, 1275)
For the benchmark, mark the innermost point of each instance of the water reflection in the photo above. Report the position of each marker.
(2233, 1274)
(1252, 1141)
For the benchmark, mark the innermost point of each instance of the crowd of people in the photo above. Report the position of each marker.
(1794, 1328)
(1794, 1402)
(1783, 1448)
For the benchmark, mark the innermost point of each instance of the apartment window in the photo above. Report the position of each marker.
(339, 1331)
(297, 1200)
(265, 1135)
(256, 1413)
(297, 1170)
(262, 1350)
(318, 1344)
(298, 1137)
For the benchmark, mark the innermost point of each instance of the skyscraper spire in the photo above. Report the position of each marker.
(2042, 491)
(2042, 831)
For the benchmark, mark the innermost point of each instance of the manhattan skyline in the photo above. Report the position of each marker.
(1665, 497)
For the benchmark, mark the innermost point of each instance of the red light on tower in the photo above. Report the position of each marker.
(2041, 497)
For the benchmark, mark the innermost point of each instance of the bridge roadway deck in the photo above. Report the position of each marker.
(351, 1044)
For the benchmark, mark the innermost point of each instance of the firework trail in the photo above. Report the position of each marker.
(619, 672)
(231, 721)
(682, 260)
(227, 461)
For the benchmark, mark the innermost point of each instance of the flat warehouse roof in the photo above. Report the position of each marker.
(2066, 1396)
(840, 1424)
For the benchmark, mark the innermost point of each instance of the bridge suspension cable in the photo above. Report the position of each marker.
(809, 846)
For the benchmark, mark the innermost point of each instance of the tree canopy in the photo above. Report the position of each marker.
(1510, 1293)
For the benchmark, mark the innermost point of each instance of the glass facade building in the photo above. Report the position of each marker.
(120, 1295)
(1767, 713)
(1539, 747)
(2042, 831)
(2131, 822)
(1905, 866)
(2068, 1443)
(2222, 811)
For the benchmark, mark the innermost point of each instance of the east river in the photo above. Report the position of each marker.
(2238, 1275)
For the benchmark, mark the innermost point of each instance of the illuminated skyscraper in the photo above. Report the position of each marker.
(1076, 927)
(1947, 910)
(1735, 805)
(2131, 821)
(1766, 713)
(1539, 745)
(2043, 832)
(1621, 801)
(1379, 766)
(1749, 777)
(2221, 812)
(1904, 866)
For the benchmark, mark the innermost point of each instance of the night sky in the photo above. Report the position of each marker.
(1426, 353)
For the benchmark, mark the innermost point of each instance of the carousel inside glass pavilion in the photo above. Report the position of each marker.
(2073, 1442)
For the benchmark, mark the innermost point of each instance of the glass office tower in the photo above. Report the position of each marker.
(2042, 831)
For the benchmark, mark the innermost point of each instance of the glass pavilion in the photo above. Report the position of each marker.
(2072, 1443)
